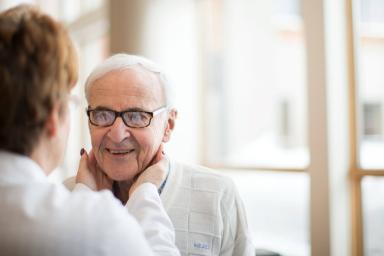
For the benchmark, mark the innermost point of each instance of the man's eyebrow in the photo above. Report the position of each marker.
(136, 109)
(133, 109)
(100, 108)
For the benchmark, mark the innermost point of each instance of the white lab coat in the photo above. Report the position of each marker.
(206, 210)
(40, 218)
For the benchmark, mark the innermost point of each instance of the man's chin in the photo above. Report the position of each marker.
(121, 176)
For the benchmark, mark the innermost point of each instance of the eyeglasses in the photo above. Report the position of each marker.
(132, 118)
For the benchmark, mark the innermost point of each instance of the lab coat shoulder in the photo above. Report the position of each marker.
(101, 222)
(42, 218)
(39, 217)
(142, 225)
(146, 208)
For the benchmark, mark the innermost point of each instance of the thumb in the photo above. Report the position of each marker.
(84, 159)
(83, 164)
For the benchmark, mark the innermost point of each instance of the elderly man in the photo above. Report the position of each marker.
(130, 117)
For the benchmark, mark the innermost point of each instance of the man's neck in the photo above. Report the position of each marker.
(120, 190)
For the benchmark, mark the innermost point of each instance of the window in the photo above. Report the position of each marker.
(372, 11)
(371, 90)
(256, 85)
(373, 210)
(266, 195)
(368, 172)
(285, 124)
(372, 121)
(255, 114)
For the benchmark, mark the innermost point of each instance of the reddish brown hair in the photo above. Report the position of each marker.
(38, 68)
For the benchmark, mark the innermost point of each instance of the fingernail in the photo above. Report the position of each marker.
(82, 151)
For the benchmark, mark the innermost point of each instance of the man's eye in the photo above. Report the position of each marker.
(102, 115)
(136, 118)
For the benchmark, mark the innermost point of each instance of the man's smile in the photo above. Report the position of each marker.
(119, 152)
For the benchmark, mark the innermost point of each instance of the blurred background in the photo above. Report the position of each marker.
(284, 96)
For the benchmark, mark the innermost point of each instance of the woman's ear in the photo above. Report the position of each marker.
(53, 121)
(170, 125)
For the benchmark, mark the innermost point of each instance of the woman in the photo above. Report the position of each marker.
(38, 69)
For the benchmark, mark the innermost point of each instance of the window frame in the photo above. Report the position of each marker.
(357, 173)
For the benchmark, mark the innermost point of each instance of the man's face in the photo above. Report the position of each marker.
(121, 151)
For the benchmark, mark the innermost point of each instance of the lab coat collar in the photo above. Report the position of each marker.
(16, 168)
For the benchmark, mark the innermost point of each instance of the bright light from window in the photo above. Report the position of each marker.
(373, 210)
(256, 103)
(371, 56)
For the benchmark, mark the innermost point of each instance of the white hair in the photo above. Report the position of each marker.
(123, 61)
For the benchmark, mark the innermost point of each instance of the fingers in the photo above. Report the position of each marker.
(85, 173)
(102, 180)
(160, 160)
(161, 149)
(93, 165)
(155, 173)
(160, 155)
(83, 165)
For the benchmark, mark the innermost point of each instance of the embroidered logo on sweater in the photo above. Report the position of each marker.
(200, 245)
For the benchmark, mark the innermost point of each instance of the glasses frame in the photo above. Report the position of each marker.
(120, 114)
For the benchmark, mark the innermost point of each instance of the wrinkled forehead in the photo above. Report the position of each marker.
(131, 82)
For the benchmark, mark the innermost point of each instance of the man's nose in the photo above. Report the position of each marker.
(119, 131)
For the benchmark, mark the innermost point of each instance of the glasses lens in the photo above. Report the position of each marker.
(102, 117)
(137, 119)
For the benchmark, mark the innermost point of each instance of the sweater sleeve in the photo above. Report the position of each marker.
(237, 238)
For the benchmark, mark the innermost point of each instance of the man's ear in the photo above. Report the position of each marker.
(170, 125)
(53, 121)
